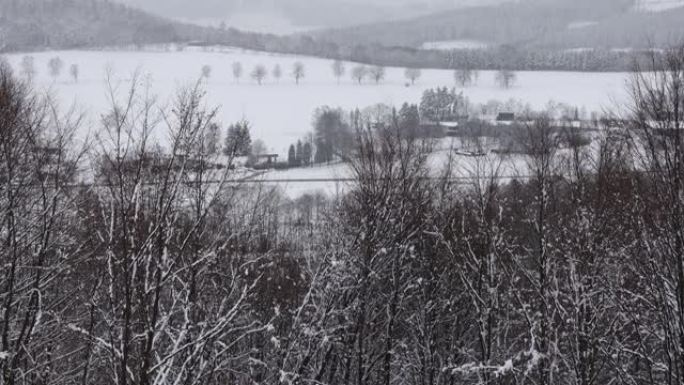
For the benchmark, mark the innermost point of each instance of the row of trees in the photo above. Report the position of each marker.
(299, 154)
(260, 73)
(168, 269)
(55, 67)
(464, 77)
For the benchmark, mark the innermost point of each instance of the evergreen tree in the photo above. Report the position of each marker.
(306, 153)
(442, 104)
(409, 119)
(298, 152)
(238, 140)
(332, 134)
(292, 156)
(211, 139)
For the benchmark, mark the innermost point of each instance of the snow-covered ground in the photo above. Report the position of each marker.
(581, 24)
(658, 5)
(449, 45)
(280, 111)
(337, 178)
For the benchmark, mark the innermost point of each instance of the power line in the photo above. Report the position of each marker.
(247, 181)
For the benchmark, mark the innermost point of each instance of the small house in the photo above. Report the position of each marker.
(505, 119)
(451, 127)
(267, 159)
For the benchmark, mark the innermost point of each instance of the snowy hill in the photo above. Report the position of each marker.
(658, 5)
(548, 24)
(288, 16)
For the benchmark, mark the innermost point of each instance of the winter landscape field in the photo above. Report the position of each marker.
(341, 192)
(280, 111)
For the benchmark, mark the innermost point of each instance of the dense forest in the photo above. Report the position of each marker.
(65, 24)
(329, 13)
(31, 24)
(534, 24)
(168, 267)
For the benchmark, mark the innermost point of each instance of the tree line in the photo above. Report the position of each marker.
(165, 269)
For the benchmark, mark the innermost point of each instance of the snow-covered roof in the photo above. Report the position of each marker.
(449, 124)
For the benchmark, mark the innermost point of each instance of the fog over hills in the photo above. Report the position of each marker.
(551, 23)
(347, 28)
(288, 16)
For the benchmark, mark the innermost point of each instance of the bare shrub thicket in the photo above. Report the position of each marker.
(152, 261)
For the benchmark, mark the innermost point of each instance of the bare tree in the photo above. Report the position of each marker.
(277, 72)
(536, 299)
(28, 68)
(298, 71)
(505, 78)
(359, 73)
(466, 77)
(377, 73)
(389, 168)
(259, 73)
(55, 66)
(74, 72)
(413, 74)
(166, 311)
(37, 164)
(338, 69)
(237, 71)
(654, 120)
(480, 252)
(206, 71)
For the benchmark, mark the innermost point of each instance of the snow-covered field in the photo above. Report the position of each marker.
(280, 111)
(449, 45)
(581, 24)
(336, 178)
(658, 5)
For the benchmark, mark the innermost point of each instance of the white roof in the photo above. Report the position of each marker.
(448, 124)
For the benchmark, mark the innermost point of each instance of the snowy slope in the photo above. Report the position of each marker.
(658, 5)
(260, 22)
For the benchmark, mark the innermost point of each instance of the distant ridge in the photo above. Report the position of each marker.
(657, 5)
(29, 25)
(544, 24)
